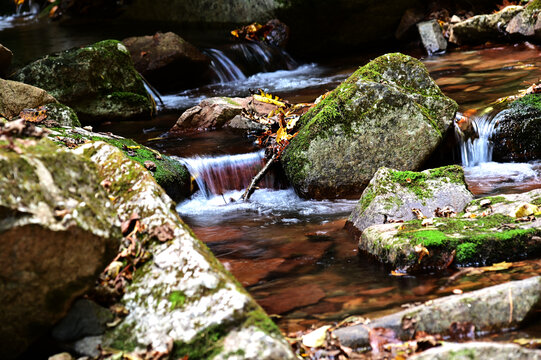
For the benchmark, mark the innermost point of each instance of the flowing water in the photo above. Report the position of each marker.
(292, 254)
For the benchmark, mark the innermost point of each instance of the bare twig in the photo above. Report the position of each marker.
(250, 190)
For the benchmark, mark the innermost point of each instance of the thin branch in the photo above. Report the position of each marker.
(250, 190)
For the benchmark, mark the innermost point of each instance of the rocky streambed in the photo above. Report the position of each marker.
(74, 196)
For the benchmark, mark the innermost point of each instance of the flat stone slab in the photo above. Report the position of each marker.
(478, 350)
(493, 229)
(496, 308)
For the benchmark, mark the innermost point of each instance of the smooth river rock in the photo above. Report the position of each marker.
(168, 61)
(16, 96)
(389, 113)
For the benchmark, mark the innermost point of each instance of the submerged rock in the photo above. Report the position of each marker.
(482, 28)
(391, 195)
(168, 61)
(182, 296)
(485, 234)
(488, 310)
(517, 135)
(388, 113)
(98, 81)
(58, 231)
(16, 96)
(478, 351)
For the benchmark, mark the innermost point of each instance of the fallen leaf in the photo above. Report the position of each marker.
(381, 336)
(163, 233)
(128, 225)
(316, 338)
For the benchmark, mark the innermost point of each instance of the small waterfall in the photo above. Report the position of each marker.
(477, 150)
(260, 57)
(225, 69)
(216, 175)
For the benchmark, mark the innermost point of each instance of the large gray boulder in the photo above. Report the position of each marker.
(98, 81)
(16, 96)
(182, 296)
(58, 231)
(168, 61)
(388, 113)
(392, 194)
(488, 310)
(492, 229)
(482, 28)
(517, 135)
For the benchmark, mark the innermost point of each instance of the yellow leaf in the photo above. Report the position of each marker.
(269, 99)
(316, 338)
(525, 210)
(282, 135)
(134, 147)
(497, 267)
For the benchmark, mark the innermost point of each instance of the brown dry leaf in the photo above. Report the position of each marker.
(163, 233)
(128, 225)
(380, 337)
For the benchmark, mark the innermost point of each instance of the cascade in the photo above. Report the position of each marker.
(216, 175)
(240, 60)
(223, 67)
(477, 150)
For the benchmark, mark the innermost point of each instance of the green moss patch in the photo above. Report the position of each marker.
(491, 238)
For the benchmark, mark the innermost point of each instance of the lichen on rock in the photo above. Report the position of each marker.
(183, 296)
(388, 113)
(58, 231)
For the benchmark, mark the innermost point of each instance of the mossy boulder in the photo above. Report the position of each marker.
(98, 81)
(183, 295)
(58, 231)
(391, 195)
(488, 232)
(388, 113)
(488, 310)
(482, 28)
(16, 96)
(169, 173)
(517, 135)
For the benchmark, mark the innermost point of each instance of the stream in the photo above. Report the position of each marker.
(292, 254)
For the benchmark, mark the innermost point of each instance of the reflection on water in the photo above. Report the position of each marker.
(503, 178)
